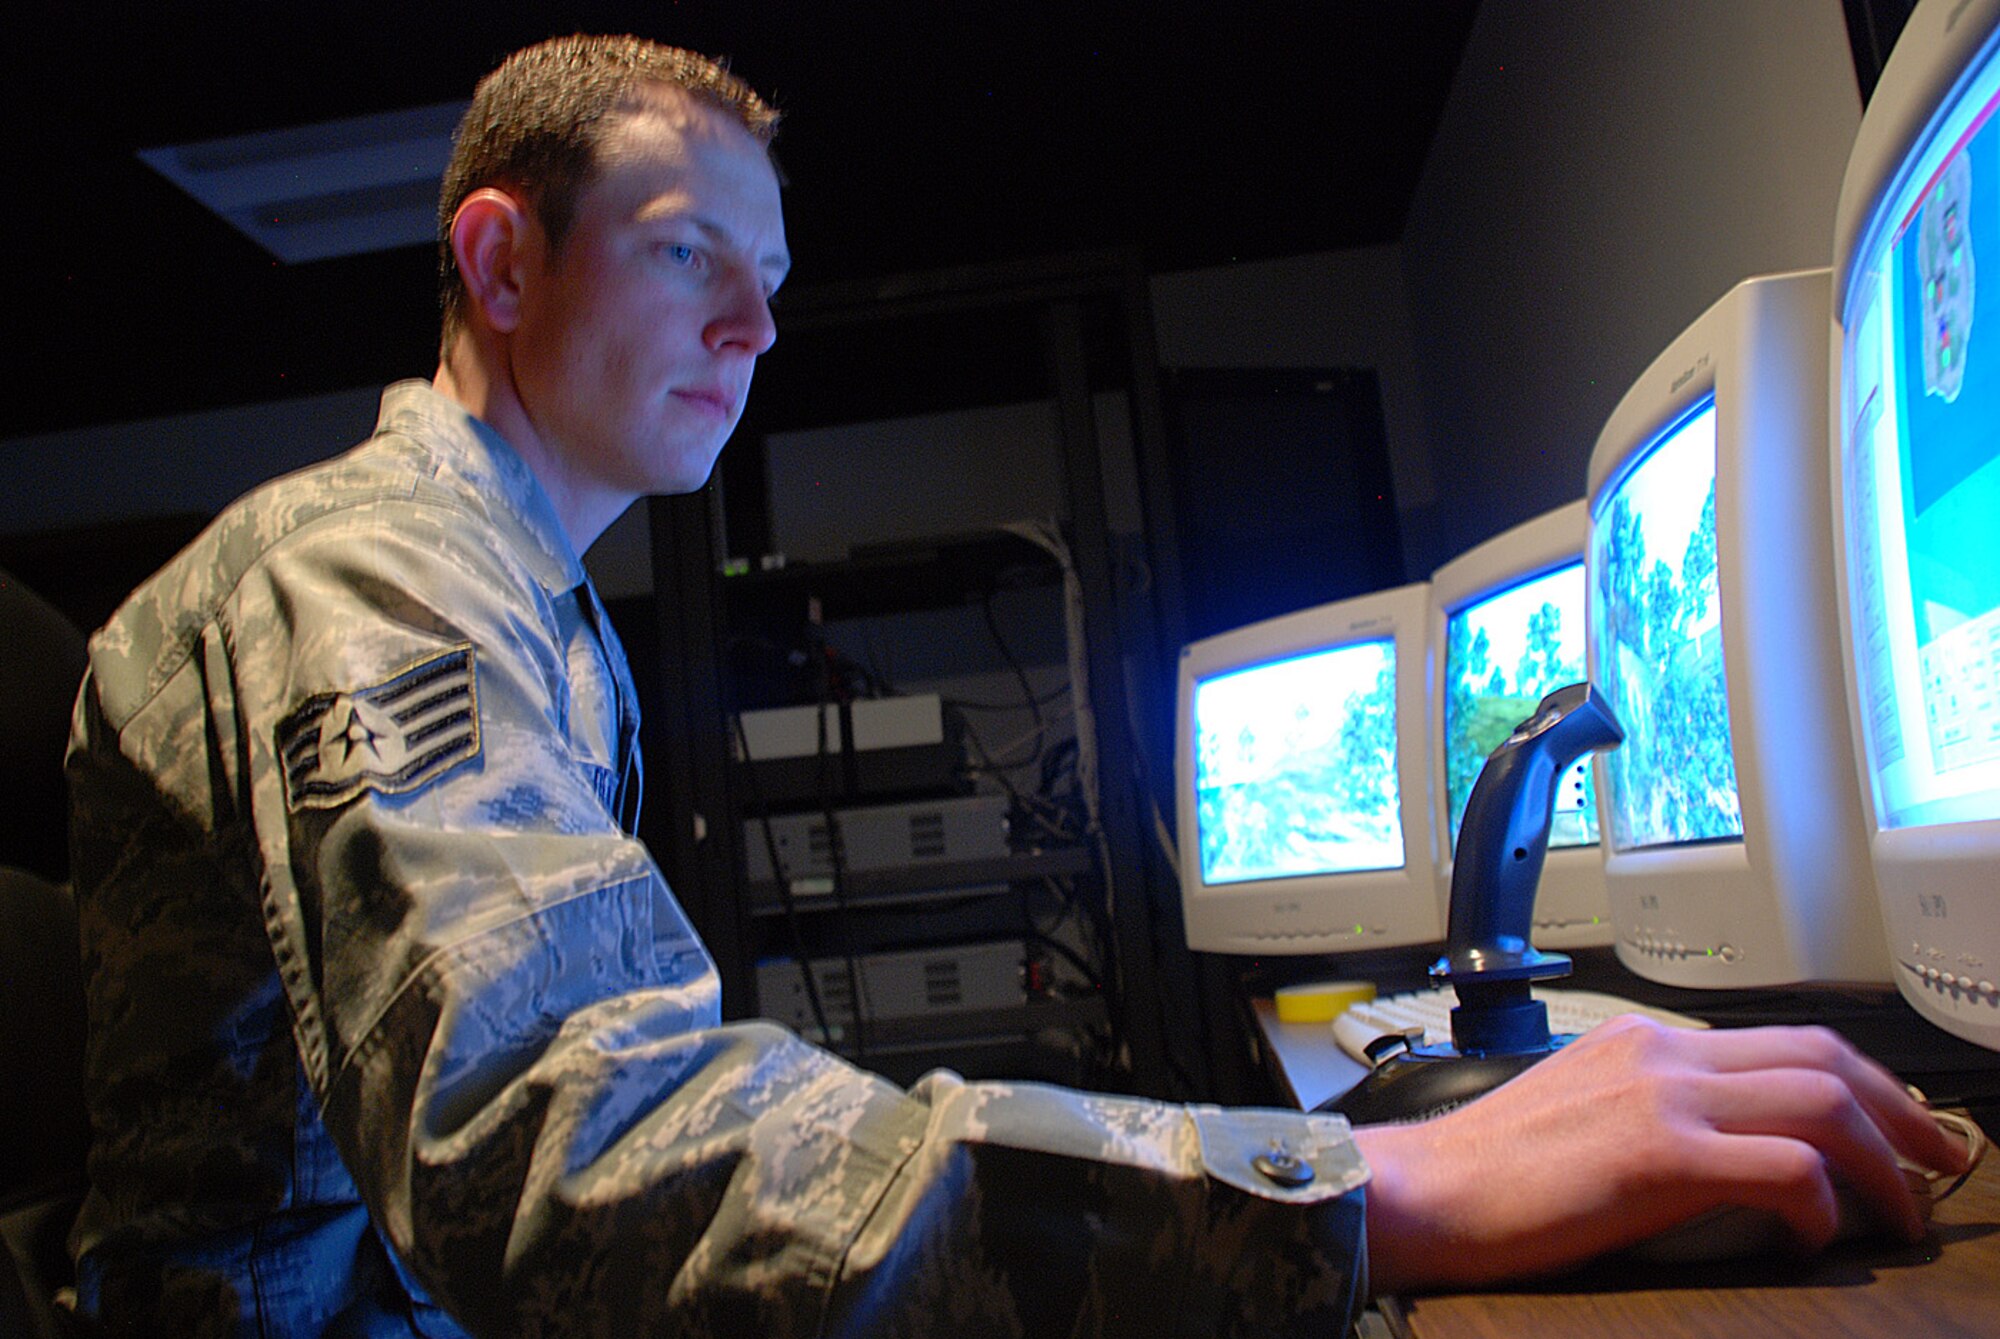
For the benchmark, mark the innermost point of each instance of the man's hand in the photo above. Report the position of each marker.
(1631, 1129)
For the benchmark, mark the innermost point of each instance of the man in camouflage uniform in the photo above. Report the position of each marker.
(377, 973)
(397, 1030)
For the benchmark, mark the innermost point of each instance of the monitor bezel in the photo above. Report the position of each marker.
(1325, 913)
(1948, 979)
(1710, 914)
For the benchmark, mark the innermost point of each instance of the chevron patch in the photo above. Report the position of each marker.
(392, 737)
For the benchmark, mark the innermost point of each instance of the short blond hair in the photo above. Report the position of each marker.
(536, 120)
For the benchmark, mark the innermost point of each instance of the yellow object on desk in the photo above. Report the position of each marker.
(1320, 1001)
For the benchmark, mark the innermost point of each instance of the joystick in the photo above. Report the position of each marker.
(1498, 1028)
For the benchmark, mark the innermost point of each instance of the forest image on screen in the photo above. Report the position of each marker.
(1503, 655)
(1658, 633)
(1295, 766)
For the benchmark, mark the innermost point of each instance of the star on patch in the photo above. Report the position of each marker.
(357, 736)
(392, 737)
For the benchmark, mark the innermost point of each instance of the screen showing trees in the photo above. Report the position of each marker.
(1503, 655)
(1656, 621)
(1295, 766)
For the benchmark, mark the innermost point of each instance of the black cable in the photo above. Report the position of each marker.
(1046, 818)
(1020, 673)
(1069, 955)
(785, 898)
(836, 851)
(1069, 907)
(1098, 920)
(1043, 699)
(990, 768)
(1061, 760)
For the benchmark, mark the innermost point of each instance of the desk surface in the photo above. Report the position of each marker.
(1945, 1286)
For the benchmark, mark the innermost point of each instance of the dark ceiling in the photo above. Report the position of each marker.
(918, 136)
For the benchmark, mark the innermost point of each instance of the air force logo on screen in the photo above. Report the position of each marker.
(391, 737)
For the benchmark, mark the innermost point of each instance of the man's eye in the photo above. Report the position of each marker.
(679, 253)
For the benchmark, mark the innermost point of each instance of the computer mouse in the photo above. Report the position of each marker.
(1424, 1082)
(1734, 1232)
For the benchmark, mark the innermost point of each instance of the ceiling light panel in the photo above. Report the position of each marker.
(337, 188)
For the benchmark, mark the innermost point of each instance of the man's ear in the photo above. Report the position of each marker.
(491, 237)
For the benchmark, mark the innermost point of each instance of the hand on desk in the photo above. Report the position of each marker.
(1632, 1129)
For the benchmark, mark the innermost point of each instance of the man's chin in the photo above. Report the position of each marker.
(681, 463)
(688, 477)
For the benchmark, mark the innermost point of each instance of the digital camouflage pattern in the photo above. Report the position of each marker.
(363, 925)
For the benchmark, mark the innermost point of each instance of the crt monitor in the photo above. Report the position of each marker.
(1734, 855)
(1915, 459)
(1302, 790)
(1507, 629)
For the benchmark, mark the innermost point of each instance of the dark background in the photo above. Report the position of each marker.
(918, 136)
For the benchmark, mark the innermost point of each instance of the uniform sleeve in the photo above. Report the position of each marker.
(515, 1036)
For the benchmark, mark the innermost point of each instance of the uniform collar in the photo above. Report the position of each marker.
(469, 452)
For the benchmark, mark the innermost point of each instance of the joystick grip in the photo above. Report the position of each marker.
(1504, 837)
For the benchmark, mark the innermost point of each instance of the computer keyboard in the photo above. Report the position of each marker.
(1392, 1015)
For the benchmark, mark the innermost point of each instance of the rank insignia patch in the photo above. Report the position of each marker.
(393, 737)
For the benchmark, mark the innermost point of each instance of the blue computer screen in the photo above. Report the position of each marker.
(1951, 471)
(1657, 624)
(1295, 766)
(1503, 655)
(1923, 470)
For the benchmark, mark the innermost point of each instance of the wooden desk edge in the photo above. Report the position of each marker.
(1947, 1285)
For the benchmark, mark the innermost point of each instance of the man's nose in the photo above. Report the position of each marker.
(745, 318)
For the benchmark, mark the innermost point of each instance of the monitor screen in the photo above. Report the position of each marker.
(1295, 766)
(1657, 624)
(1503, 655)
(1923, 472)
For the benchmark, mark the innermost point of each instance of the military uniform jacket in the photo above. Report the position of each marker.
(387, 1006)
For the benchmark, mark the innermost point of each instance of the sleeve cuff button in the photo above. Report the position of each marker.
(1282, 1167)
